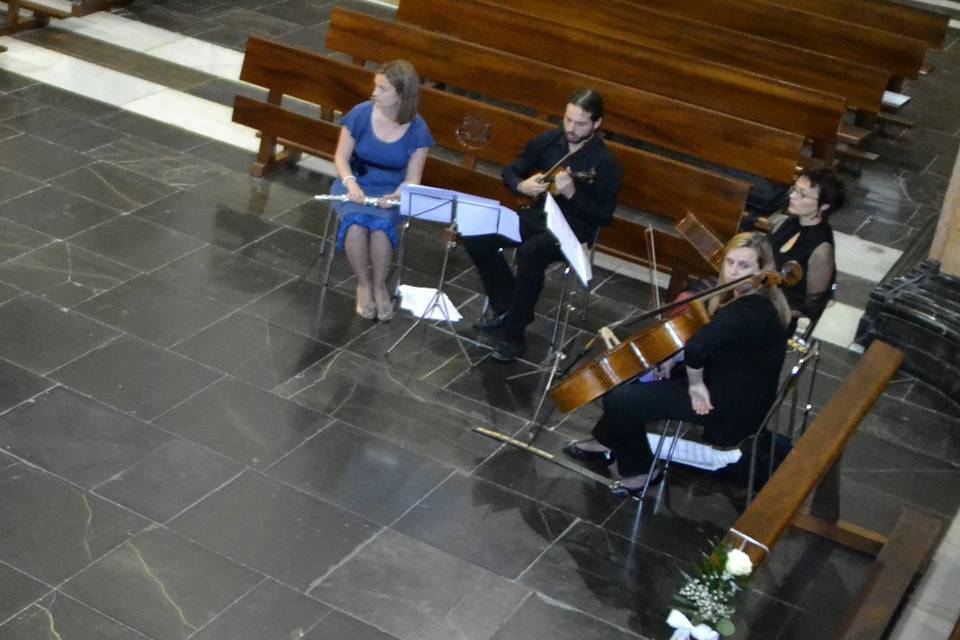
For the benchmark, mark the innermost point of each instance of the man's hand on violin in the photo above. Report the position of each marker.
(532, 186)
(700, 399)
(564, 184)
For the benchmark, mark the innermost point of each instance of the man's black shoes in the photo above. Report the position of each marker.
(508, 350)
(491, 324)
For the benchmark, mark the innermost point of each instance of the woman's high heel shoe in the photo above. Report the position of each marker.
(366, 310)
(386, 311)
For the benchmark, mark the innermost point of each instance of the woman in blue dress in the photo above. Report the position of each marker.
(383, 144)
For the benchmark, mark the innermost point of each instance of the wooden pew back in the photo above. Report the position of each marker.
(861, 85)
(789, 107)
(912, 22)
(900, 55)
(706, 134)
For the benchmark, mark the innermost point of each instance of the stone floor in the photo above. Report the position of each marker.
(198, 440)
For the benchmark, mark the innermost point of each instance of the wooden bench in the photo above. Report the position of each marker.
(861, 85)
(654, 184)
(665, 122)
(42, 12)
(913, 22)
(813, 467)
(900, 55)
(801, 110)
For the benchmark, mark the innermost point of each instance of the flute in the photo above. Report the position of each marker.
(368, 201)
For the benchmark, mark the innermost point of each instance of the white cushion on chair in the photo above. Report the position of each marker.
(696, 454)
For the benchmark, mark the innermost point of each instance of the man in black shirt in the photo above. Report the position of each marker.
(586, 205)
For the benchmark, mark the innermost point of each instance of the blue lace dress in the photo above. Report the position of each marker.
(379, 167)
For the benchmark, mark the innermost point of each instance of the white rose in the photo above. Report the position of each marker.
(738, 563)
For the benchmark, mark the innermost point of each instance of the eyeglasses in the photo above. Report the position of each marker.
(800, 193)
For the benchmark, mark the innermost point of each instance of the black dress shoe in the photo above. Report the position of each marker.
(572, 450)
(508, 350)
(620, 491)
(491, 324)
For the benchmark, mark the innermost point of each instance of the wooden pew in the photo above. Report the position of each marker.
(15, 22)
(861, 85)
(84, 7)
(900, 55)
(812, 467)
(801, 110)
(654, 184)
(913, 22)
(702, 133)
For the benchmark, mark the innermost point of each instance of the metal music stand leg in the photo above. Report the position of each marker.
(436, 302)
(401, 252)
(331, 214)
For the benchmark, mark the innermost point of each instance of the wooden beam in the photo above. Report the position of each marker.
(841, 532)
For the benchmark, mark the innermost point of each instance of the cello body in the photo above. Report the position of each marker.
(632, 357)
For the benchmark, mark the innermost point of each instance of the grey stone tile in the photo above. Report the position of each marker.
(291, 536)
(10, 81)
(113, 186)
(17, 590)
(311, 310)
(224, 92)
(38, 159)
(388, 585)
(225, 155)
(11, 105)
(538, 619)
(251, 21)
(75, 103)
(168, 480)
(159, 163)
(77, 438)
(55, 212)
(18, 384)
(163, 134)
(66, 129)
(270, 610)
(64, 274)
(136, 377)
(161, 585)
(227, 277)
(485, 524)
(50, 530)
(291, 250)
(8, 292)
(608, 577)
(158, 15)
(40, 336)
(155, 309)
(16, 239)
(339, 626)
(254, 350)
(245, 423)
(434, 423)
(69, 618)
(353, 470)
(13, 184)
(299, 12)
(136, 243)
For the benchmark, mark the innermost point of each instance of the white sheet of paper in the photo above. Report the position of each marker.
(896, 100)
(508, 224)
(476, 216)
(417, 299)
(427, 203)
(569, 244)
(695, 454)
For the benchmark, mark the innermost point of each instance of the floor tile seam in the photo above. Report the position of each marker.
(393, 523)
(36, 107)
(206, 624)
(519, 577)
(555, 602)
(167, 524)
(908, 504)
(110, 340)
(58, 592)
(267, 469)
(223, 376)
(139, 205)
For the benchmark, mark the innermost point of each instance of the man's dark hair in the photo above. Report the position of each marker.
(590, 101)
(832, 190)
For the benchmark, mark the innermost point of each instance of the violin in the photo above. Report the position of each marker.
(645, 350)
(550, 175)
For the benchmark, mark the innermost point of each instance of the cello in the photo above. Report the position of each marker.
(651, 346)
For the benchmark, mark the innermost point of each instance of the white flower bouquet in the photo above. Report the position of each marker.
(702, 607)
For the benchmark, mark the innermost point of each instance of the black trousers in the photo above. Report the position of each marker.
(626, 410)
(518, 294)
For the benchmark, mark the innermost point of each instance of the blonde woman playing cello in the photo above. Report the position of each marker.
(733, 365)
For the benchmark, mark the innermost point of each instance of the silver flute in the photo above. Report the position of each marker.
(369, 200)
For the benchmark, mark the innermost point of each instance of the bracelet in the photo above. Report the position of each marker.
(345, 178)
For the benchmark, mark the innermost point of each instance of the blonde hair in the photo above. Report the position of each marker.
(761, 245)
(403, 77)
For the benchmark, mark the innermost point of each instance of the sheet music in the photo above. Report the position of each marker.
(569, 243)
(423, 302)
(508, 224)
(893, 99)
(695, 454)
(427, 203)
